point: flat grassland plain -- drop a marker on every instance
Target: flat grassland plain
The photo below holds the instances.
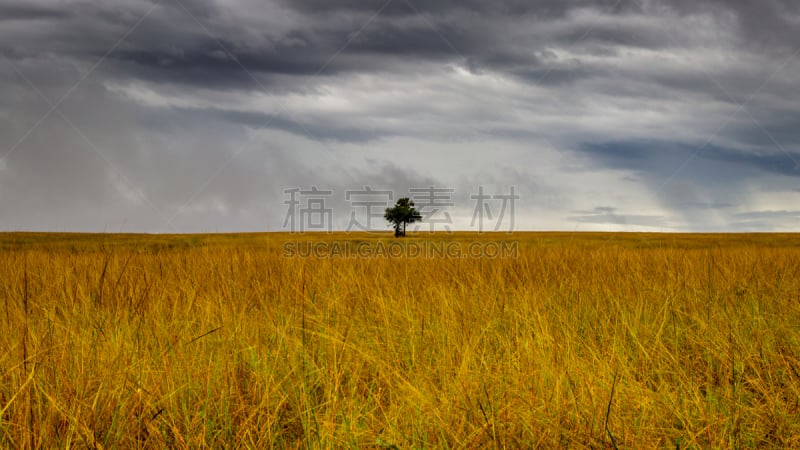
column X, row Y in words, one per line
column 581, row 340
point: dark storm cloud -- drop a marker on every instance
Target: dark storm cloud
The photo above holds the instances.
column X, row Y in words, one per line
column 774, row 163
column 23, row 11
column 543, row 9
column 484, row 32
column 654, row 160
column 769, row 22
column 664, row 158
column 169, row 44
column 509, row 36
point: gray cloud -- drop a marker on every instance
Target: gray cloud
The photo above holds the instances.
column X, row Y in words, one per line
column 540, row 9
column 609, row 216
column 28, row 12
column 766, row 220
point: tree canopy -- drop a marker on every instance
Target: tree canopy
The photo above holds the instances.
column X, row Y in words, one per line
column 401, row 214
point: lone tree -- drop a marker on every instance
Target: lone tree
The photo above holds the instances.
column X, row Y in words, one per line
column 402, row 213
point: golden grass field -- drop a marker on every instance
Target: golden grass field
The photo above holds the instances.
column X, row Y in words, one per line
column 582, row 340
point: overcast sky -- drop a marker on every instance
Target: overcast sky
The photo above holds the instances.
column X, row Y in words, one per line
column 200, row 115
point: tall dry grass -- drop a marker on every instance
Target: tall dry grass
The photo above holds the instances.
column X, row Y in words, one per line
column 219, row 341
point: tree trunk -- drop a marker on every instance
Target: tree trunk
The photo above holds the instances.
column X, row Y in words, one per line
column 397, row 229
column 404, row 229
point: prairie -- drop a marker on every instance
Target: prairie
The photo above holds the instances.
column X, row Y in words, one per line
column 574, row 340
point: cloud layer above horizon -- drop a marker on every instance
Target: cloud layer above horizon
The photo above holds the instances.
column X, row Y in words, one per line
column 197, row 116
